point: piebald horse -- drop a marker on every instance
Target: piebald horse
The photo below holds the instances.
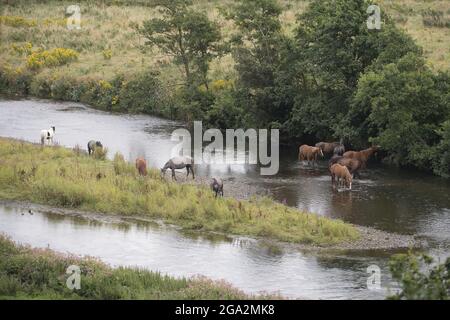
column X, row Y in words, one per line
column 179, row 163
column 309, row 153
column 47, row 135
column 363, row 155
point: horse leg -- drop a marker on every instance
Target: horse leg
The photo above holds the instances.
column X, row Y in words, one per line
column 192, row 171
column 187, row 169
column 173, row 175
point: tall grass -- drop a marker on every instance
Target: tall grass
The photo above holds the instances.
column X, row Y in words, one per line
column 27, row 273
column 63, row 177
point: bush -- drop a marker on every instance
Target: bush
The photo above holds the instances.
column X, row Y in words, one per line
column 51, row 58
column 16, row 21
column 420, row 278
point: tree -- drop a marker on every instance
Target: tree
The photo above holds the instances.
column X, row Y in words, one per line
column 402, row 108
column 257, row 52
column 334, row 48
column 419, row 278
column 186, row 35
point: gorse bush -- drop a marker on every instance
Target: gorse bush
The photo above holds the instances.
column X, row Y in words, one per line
column 25, row 48
column 16, row 21
column 51, row 58
column 63, row 177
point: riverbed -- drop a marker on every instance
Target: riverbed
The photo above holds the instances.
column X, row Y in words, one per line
column 386, row 198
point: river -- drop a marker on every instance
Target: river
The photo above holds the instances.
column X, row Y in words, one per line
column 386, row 198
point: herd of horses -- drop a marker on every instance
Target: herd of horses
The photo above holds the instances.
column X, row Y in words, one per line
column 343, row 166
column 173, row 164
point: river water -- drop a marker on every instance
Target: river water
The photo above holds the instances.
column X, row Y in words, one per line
column 386, row 198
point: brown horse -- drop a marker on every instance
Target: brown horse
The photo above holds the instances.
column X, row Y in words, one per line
column 328, row 147
column 341, row 175
column 141, row 166
column 309, row 153
column 363, row 155
column 353, row 165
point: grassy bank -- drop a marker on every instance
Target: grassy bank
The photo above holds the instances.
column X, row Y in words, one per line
column 27, row 273
column 68, row 178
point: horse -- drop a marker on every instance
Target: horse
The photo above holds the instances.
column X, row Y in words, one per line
column 327, row 147
column 92, row 145
column 47, row 135
column 141, row 166
column 363, row 155
column 339, row 150
column 179, row 163
column 309, row 153
column 353, row 165
column 217, row 186
column 341, row 175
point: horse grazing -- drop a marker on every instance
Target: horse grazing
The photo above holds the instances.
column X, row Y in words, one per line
column 309, row 153
column 341, row 175
column 327, row 147
column 217, row 186
column 47, row 135
column 92, row 145
column 363, row 155
column 179, row 163
column 353, row 165
column 141, row 166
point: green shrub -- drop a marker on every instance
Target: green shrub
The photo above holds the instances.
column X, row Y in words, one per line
column 420, row 278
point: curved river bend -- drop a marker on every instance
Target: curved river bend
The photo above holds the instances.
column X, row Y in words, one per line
column 385, row 198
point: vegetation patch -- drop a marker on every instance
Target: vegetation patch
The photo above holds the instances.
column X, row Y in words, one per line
column 67, row 178
column 51, row 58
column 27, row 273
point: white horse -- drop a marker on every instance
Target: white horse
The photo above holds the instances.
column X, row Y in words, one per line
column 47, row 135
column 179, row 163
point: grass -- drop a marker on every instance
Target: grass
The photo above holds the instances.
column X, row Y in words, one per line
column 108, row 43
column 27, row 273
column 68, row 178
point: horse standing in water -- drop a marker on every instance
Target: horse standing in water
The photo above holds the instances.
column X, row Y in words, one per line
column 217, row 186
column 92, row 145
column 309, row 153
column 179, row 163
column 47, row 135
column 141, row 166
column 363, row 155
column 341, row 175
column 339, row 150
column 353, row 165
column 329, row 147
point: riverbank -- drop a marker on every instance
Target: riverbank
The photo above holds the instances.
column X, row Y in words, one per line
column 68, row 178
column 98, row 280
